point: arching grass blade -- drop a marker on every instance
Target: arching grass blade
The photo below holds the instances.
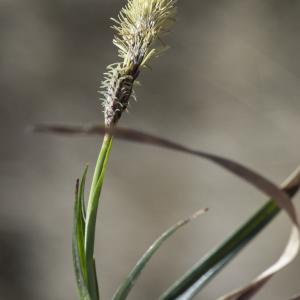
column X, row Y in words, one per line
column 201, row 273
column 130, row 280
column 260, row 182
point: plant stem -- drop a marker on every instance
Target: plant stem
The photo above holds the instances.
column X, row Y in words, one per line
column 91, row 214
column 201, row 273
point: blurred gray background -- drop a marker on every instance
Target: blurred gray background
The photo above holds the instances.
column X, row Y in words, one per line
column 230, row 84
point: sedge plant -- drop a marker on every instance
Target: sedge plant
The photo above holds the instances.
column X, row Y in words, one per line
column 138, row 31
column 140, row 24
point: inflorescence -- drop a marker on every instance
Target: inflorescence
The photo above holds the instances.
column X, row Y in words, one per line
column 139, row 24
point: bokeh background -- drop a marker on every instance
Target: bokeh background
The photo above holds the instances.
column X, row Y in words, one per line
column 230, row 84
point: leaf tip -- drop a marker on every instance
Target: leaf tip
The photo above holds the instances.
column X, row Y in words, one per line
column 198, row 213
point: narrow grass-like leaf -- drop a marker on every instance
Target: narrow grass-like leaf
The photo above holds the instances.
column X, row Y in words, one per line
column 96, row 279
column 288, row 255
column 81, row 224
column 81, row 195
column 77, row 241
column 131, row 278
column 252, row 177
column 201, row 273
column 91, row 216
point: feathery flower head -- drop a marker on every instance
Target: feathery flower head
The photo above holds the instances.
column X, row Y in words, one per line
column 140, row 23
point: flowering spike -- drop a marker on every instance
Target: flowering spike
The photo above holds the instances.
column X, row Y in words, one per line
column 139, row 24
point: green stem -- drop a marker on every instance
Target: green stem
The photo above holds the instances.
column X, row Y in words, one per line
column 201, row 273
column 91, row 214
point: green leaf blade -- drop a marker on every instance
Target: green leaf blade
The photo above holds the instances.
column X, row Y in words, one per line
column 192, row 282
column 91, row 216
column 132, row 277
column 77, row 244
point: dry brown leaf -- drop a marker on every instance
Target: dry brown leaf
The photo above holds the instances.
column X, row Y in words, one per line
column 252, row 177
column 286, row 258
